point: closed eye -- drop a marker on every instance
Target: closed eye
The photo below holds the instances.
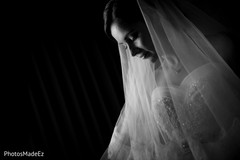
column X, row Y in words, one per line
column 133, row 36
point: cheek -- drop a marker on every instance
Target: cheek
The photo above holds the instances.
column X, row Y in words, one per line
column 139, row 43
column 144, row 43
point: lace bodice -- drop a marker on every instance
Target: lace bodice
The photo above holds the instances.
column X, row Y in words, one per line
column 197, row 118
column 187, row 114
column 166, row 117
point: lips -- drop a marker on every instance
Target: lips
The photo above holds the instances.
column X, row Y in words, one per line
column 143, row 54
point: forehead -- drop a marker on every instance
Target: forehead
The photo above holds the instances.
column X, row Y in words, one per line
column 119, row 31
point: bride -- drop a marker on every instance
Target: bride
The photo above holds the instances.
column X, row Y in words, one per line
column 182, row 101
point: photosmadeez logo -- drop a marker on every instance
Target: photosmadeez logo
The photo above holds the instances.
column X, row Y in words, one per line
column 23, row 154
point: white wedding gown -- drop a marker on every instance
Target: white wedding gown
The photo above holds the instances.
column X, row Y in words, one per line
column 187, row 128
column 189, row 121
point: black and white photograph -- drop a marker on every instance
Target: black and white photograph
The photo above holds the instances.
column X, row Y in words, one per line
column 121, row 80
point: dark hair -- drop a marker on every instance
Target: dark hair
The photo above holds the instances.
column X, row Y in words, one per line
column 123, row 11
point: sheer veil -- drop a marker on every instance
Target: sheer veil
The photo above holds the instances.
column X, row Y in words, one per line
column 187, row 106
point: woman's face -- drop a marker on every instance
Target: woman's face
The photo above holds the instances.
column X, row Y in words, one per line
column 136, row 38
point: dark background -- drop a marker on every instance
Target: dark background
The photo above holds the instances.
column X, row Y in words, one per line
column 63, row 91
